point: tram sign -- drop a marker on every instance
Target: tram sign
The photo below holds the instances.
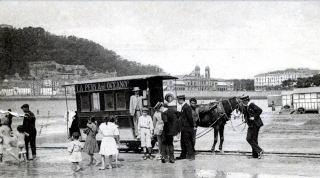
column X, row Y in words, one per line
column 114, row 85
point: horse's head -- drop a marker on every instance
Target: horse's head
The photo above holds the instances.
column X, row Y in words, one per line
column 232, row 104
column 240, row 105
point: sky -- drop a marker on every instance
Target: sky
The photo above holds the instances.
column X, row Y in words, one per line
column 235, row 39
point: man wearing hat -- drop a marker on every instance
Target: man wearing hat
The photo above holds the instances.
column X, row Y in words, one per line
column 187, row 130
column 135, row 108
column 29, row 125
column 169, row 130
column 252, row 115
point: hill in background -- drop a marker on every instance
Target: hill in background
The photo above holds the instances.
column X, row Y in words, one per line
column 19, row 46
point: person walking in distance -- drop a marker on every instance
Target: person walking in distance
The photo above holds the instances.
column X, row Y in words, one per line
column 252, row 116
column 29, row 126
column 273, row 106
column 187, row 130
column 9, row 116
column 135, row 108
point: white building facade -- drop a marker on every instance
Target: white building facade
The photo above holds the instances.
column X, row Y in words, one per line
column 262, row 81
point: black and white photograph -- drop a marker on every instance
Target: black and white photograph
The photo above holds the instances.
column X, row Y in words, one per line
column 161, row 89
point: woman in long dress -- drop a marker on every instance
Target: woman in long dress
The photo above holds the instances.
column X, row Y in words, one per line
column 108, row 147
column 91, row 146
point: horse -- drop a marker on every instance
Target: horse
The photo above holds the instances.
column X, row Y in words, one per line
column 217, row 118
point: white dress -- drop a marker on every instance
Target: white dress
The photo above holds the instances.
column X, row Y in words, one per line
column 108, row 143
column 75, row 149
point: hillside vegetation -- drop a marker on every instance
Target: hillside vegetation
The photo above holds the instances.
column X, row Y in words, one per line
column 19, row 46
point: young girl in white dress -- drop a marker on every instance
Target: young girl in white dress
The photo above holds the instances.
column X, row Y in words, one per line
column 108, row 147
column 74, row 149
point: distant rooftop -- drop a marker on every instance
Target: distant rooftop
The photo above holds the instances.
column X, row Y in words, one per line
column 290, row 71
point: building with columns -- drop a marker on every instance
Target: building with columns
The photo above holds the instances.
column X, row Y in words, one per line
column 197, row 82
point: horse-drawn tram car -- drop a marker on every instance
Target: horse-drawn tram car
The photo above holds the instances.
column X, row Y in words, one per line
column 303, row 100
column 111, row 96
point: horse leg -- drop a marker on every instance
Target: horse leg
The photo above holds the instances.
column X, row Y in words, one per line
column 221, row 133
column 215, row 139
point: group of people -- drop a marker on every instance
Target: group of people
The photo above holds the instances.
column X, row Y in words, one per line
column 168, row 122
column 20, row 138
column 109, row 144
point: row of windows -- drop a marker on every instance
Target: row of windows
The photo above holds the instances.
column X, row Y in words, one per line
column 302, row 96
column 306, row 105
column 281, row 78
column 306, row 96
column 202, row 83
column 112, row 100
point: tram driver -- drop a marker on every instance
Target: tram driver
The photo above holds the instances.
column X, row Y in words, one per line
column 136, row 108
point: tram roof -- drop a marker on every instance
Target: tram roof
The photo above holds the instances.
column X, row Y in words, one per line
column 130, row 77
column 302, row 90
column 307, row 90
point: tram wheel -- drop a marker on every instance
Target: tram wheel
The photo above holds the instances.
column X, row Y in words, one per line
column 301, row 110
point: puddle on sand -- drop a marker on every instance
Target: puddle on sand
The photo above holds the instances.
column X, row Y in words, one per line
column 222, row 174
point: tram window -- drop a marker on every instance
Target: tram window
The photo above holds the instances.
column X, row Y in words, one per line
column 301, row 96
column 95, row 101
column 120, row 100
column 109, row 101
column 85, row 104
column 313, row 95
column 295, row 96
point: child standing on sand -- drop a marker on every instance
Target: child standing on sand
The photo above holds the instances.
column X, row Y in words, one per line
column 108, row 147
column 74, row 149
column 145, row 126
column 91, row 146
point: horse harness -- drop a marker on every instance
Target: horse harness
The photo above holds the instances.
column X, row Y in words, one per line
column 223, row 114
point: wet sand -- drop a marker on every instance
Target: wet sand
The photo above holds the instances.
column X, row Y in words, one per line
column 54, row 163
column 281, row 134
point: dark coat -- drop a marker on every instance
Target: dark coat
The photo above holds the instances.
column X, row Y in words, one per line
column 74, row 126
column 186, row 118
column 170, row 122
column 255, row 112
column 29, row 122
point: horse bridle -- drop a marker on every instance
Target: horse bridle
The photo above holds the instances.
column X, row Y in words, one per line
column 237, row 107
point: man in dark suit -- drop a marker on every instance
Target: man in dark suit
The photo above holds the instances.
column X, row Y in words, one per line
column 187, row 130
column 29, row 125
column 169, row 130
column 252, row 115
